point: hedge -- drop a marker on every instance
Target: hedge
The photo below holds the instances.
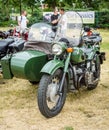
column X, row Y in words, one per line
column 102, row 19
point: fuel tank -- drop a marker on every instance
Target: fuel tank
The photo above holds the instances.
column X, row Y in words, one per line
column 78, row 55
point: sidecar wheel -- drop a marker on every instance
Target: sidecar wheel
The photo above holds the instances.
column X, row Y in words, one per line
column 34, row 82
column 96, row 73
column 50, row 103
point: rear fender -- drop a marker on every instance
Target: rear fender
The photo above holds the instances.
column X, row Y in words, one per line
column 102, row 57
column 52, row 66
column 6, row 68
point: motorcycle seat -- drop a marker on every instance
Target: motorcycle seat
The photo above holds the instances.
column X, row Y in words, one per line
column 92, row 37
column 18, row 45
column 93, row 40
column 4, row 44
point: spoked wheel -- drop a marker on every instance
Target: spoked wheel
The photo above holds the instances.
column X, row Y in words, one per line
column 50, row 102
column 96, row 74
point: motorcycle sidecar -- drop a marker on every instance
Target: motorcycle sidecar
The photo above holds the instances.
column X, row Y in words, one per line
column 28, row 63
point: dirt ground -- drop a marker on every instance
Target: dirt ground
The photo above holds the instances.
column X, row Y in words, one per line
column 88, row 110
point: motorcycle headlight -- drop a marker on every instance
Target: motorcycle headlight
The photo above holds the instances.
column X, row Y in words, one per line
column 58, row 49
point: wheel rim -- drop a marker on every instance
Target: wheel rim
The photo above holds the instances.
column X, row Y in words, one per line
column 52, row 96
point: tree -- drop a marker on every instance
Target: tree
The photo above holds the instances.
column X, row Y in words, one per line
column 32, row 4
column 81, row 4
column 52, row 3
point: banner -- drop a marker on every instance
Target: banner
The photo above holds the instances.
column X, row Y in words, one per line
column 88, row 17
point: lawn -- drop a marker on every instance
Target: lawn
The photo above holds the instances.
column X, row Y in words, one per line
column 105, row 39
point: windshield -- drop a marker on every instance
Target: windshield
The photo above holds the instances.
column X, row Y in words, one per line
column 40, row 32
column 70, row 27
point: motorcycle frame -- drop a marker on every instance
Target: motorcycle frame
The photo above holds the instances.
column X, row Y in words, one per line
column 57, row 63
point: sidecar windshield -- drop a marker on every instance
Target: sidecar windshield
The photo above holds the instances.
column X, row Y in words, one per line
column 40, row 32
column 70, row 28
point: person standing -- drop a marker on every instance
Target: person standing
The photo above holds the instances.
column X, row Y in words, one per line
column 22, row 20
column 62, row 22
column 54, row 20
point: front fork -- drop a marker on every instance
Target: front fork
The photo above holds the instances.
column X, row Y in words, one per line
column 64, row 74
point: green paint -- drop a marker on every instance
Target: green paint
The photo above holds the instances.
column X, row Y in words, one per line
column 27, row 64
column 52, row 66
column 77, row 56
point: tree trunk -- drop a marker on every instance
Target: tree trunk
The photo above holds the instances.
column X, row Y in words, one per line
column 20, row 7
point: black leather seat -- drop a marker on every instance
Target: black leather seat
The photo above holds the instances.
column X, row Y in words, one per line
column 4, row 44
column 17, row 45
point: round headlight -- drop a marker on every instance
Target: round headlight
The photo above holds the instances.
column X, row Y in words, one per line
column 57, row 49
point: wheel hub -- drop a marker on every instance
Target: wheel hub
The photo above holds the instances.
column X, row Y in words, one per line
column 52, row 90
column 89, row 77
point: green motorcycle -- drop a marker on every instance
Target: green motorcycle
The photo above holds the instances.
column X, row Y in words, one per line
column 76, row 64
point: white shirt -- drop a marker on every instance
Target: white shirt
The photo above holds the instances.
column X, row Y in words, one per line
column 23, row 21
column 64, row 22
column 63, row 25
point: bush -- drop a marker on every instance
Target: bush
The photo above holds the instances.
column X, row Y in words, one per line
column 102, row 19
column 5, row 20
column 7, row 23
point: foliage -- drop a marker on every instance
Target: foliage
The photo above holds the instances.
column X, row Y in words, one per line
column 52, row 3
column 37, row 16
column 68, row 128
column 8, row 7
column 83, row 4
column 102, row 19
column 5, row 19
column 8, row 23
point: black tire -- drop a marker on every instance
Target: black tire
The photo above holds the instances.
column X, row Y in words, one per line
column 96, row 74
column 34, row 82
column 45, row 94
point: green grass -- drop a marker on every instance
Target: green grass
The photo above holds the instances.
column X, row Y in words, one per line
column 68, row 128
column 5, row 28
column 105, row 39
column 105, row 46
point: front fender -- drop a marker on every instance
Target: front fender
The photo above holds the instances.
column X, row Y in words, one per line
column 52, row 66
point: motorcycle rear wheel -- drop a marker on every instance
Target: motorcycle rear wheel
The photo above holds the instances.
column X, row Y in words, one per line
column 96, row 73
column 50, row 103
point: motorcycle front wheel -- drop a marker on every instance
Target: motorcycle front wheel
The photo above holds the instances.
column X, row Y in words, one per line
column 50, row 102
